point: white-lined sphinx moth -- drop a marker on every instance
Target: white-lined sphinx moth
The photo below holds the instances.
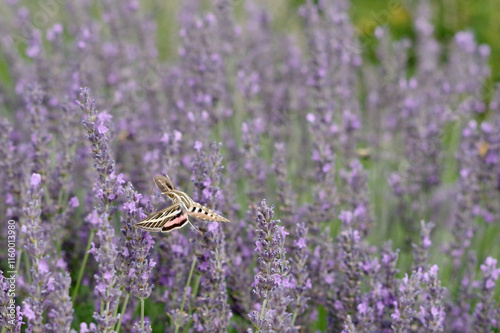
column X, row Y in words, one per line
column 177, row 215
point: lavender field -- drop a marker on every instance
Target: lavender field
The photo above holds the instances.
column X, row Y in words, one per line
column 359, row 169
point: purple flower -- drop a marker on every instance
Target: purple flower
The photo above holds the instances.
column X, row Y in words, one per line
column 269, row 287
column 420, row 302
column 134, row 262
column 311, row 117
column 35, row 180
column 74, row 202
column 106, row 188
column 38, row 248
column 421, row 251
column 484, row 313
column 301, row 243
column 345, row 217
column 198, row 145
column 28, row 312
column 177, row 136
column 130, row 207
column 43, row 268
column 94, row 219
column 299, row 268
column 209, row 246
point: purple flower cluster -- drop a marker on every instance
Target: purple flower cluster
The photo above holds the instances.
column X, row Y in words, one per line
column 272, row 282
column 106, row 191
column 360, row 140
column 486, row 312
column 299, row 262
column 38, row 249
column 209, row 245
column 134, row 263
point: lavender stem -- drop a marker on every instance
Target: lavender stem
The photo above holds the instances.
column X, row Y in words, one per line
column 124, row 307
column 296, row 311
column 177, row 324
column 19, row 258
column 196, row 285
column 84, row 263
column 267, row 294
column 142, row 314
column 28, row 268
column 117, row 305
column 263, row 309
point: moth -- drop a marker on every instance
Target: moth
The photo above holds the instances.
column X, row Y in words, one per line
column 177, row 215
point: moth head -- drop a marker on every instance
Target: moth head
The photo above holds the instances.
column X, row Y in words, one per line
column 164, row 183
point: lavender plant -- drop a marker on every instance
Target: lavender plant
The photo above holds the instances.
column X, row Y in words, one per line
column 209, row 246
column 37, row 247
column 299, row 268
column 272, row 282
column 134, row 262
column 106, row 191
column 486, row 312
column 357, row 127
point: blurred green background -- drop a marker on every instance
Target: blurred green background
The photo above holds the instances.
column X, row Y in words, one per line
column 450, row 16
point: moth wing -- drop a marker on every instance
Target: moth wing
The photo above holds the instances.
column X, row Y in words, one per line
column 165, row 220
column 163, row 183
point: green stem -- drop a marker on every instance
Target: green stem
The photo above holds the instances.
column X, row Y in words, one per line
column 142, row 314
column 124, row 307
column 115, row 313
column 296, row 310
column 177, row 323
column 103, row 313
column 84, row 263
column 19, row 258
column 196, row 286
column 60, row 199
column 268, row 269
column 263, row 309
column 28, row 265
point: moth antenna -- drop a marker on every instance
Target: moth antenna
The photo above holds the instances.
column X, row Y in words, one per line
column 196, row 229
column 151, row 192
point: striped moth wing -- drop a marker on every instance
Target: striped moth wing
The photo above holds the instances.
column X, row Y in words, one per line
column 203, row 213
column 166, row 220
column 163, row 183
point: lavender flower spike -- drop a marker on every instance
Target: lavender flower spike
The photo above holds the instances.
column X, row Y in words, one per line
column 134, row 261
column 420, row 291
column 301, row 280
column 213, row 309
column 106, row 191
column 38, row 250
column 272, row 283
column 348, row 326
column 484, row 314
column 421, row 251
